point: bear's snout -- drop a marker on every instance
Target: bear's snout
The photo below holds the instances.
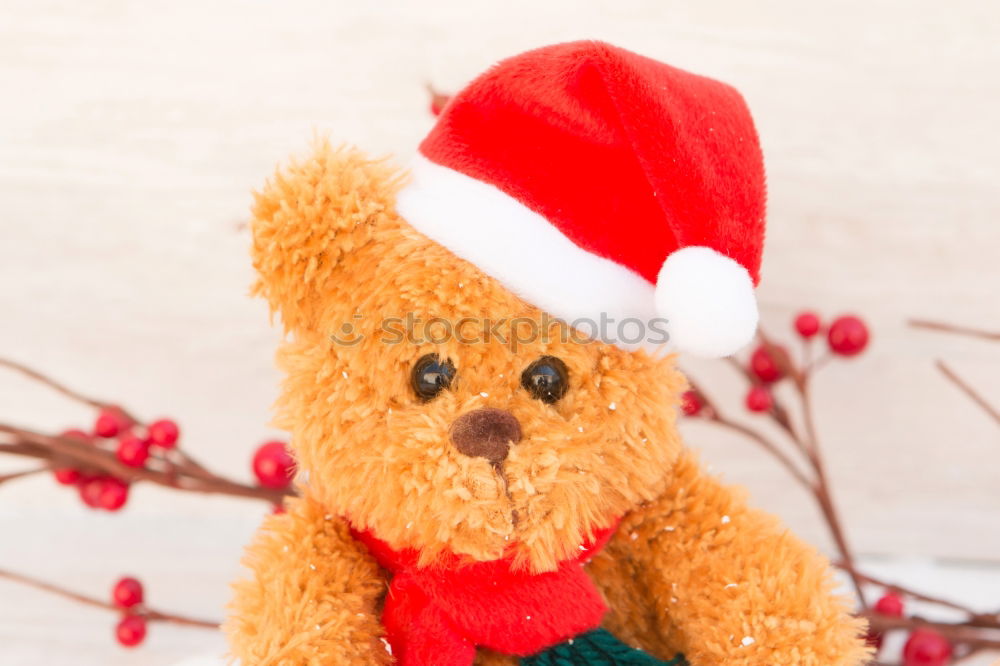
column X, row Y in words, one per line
column 486, row 433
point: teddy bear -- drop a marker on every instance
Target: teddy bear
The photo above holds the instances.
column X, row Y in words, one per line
column 482, row 390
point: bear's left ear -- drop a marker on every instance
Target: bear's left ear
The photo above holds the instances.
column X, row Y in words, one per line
column 307, row 218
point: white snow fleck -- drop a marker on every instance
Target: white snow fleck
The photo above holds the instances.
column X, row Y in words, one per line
column 633, row 536
column 726, row 520
column 409, row 524
column 388, row 648
column 612, row 406
column 345, row 374
column 730, row 585
column 485, row 394
column 582, row 547
column 313, row 567
column 319, row 627
column 527, row 617
column 580, row 429
column 673, row 600
column 748, row 641
column 328, row 517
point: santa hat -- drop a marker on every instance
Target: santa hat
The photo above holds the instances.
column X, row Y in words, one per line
column 594, row 182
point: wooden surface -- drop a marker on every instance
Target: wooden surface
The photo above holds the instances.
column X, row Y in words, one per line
column 131, row 134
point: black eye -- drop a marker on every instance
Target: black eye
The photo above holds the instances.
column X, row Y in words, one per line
column 431, row 375
column 547, row 379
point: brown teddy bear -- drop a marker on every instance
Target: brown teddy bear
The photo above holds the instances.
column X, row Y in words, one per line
column 490, row 469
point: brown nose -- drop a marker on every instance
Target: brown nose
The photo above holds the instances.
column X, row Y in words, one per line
column 486, row 433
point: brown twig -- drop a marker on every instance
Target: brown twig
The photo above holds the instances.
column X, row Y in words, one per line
column 993, row 336
column 968, row 390
column 823, row 493
column 20, row 475
column 713, row 414
column 148, row 613
column 58, row 387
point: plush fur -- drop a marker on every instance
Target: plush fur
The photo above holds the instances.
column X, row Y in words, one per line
column 689, row 568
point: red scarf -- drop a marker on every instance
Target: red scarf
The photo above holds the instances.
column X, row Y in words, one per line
column 436, row 616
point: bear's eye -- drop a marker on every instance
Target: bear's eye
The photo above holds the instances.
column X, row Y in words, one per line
column 547, row 379
column 431, row 375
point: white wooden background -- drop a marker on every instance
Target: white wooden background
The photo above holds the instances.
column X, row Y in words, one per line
column 131, row 134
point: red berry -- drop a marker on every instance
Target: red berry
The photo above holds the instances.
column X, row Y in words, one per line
column 847, row 336
column 926, row 647
column 132, row 450
column 763, row 365
column 127, row 592
column 759, row 399
column 807, row 324
column 691, row 403
column 67, row 476
column 164, row 433
column 110, row 422
column 114, row 494
column 90, row 491
column 890, row 604
column 273, row 465
column 131, row 630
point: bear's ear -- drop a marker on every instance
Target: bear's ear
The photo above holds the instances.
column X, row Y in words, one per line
column 308, row 217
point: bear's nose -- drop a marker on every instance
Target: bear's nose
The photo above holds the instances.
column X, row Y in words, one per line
column 486, row 433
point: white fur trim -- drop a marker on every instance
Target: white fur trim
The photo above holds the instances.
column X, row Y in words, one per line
column 709, row 300
column 531, row 257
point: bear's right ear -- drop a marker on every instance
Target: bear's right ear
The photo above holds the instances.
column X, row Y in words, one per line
column 307, row 218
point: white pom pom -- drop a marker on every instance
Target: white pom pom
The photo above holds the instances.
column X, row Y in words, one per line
column 708, row 302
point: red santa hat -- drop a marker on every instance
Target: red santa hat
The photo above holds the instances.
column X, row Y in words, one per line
column 592, row 181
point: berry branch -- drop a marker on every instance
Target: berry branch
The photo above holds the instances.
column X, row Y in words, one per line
column 929, row 643
column 126, row 599
column 102, row 464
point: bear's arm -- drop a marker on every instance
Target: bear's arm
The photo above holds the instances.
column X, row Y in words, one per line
column 312, row 597
column 698, row 572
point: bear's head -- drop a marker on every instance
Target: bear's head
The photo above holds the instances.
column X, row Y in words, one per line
column 430, row 404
